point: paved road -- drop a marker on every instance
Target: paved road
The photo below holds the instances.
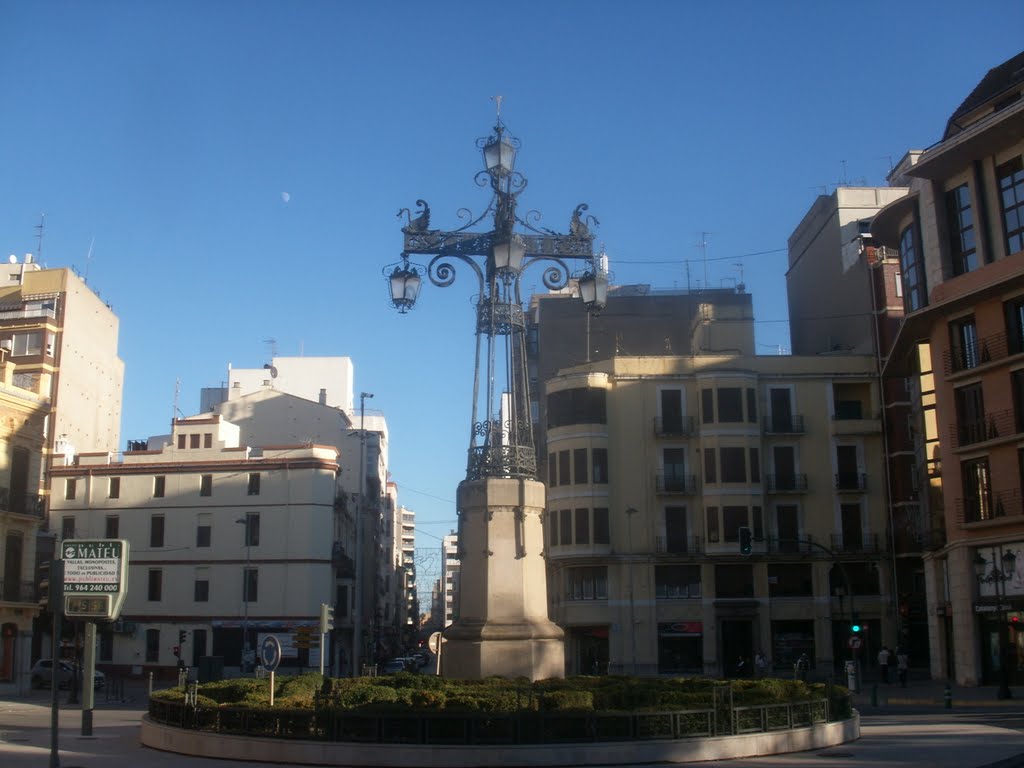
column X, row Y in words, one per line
column 892, row 740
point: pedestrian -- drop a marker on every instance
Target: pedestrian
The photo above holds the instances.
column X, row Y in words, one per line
column 741, row 667
column 891, row 676
column 883, row 663
column 761, row 664
column 802, row 665
column 902, row 666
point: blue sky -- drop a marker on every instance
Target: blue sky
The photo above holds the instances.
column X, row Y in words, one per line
column 165, row 134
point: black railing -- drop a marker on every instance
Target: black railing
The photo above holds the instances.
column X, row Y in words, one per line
column 991, row 426
column 673, row 483
column 786, row 546
column 964, row 357
column 673, row 427
column 343, row 564
column 862, row 542
column 30, row 504
column 789, row 483
column 533, row 727
column 781, row 425
column 851, row 481
column 682, row 545
column 997, row 505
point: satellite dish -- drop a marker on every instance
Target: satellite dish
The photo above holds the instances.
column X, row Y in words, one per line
column 272, row 369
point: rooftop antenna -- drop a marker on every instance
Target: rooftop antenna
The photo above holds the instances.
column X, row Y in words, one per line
column 740, row 286
column 177, row 393
column 843, row 182
column 273, row 347
column 702, row 246
column 88, row 259
column 40, row 227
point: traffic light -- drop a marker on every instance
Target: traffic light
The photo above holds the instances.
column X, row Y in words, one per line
column 855, row 625
column 182, row 634
column 326, row 618
column 50, row 580
column 746, row 540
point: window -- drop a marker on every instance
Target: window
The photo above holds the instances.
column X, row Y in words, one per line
column 563, row 468
column 27, row 343
column 254, row 484
column 970, row 414
column 787, row 527
column 181, row 442
column 250, row 585
column 589, row 583
column 193, row 441
column 674, row 463
column 67, row 527
column 601, row 533
column 672, row 412
column 552, row 469
column 159, row 486
column 707, row 406
column 734, row 465
column 156, row 531
column 977, row 490
column 203, row 531
column 70, row 488
column 914, row 289
column 1011, row 197
column 963, row 344
column 758, row 520
column 733, row 518
column 579, row 466
column 152, row 645
column 730, row 404
column 755, row 465
column 112, row 527
column 1017, row 387
column 752, row 405
column 676, row 533
column 734, row 581
column 208, row 440
column 565, row 529
column 206, row 485
column 710, row 466
column 790, row 581
column 1015, row 325
column 114, row 488
column 156, row 585
column 553, row 527
column 576, row 406
column 962, row 244
column 711, row 520
column 201, row 590
column 676, row 581
column 599, row 466
column 582, row 526
column 251, row 537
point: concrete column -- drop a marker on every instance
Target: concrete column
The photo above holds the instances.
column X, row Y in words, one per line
column 963, row 588
column 503, row 626
column 935, row 597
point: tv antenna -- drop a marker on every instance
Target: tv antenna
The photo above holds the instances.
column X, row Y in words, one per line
column 273, row 347
column 740, row 286
column 702, row 246
column 40, row 227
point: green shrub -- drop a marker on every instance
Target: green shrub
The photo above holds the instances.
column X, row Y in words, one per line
column 569, row 701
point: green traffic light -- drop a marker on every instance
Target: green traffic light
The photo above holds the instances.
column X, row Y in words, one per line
column 855, row 628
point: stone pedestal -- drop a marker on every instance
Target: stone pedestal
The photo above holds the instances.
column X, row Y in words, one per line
column 502, row 626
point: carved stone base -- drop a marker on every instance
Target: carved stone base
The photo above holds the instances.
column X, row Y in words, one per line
column 502, row 627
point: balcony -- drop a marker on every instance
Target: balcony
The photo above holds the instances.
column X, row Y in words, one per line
column 781, row 425
column 344, row 565
column 675, row 484
column 852, row 418
column 30, row 504
column 863, row 543
column 969, row 356
column 682, row 427
column 683, row 545
column 800, row 545
column 1001, row 505
column 791, row 483
column 17, row 591
column 991, row 427
column 851, row 482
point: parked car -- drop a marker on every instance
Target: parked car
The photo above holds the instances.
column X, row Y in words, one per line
column 393, row 666
column 42, row 674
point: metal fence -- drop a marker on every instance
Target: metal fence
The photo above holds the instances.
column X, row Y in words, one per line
column 721, row 719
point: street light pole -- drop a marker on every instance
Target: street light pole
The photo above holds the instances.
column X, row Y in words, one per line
column 245, row 593
column 357, row 609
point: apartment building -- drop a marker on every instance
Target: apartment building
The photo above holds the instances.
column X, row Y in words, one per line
column 229, row 543
column 411, row 625
column 960, row 236
column 654, row 464
column 23, row 415
column 450, row 574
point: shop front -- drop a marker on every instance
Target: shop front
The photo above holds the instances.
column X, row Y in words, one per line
column 681, row 648
column 588, row 650
column 999, row 624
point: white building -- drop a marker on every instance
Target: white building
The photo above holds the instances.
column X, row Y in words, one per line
column 450, row 577
column 224, row 540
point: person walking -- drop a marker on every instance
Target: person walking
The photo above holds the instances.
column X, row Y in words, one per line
column 883, row 663
column 902, row 666
column 761, row 664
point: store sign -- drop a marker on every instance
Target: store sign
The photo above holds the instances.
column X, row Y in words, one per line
column 95, row 577
column 682, row 629
column 991, row 608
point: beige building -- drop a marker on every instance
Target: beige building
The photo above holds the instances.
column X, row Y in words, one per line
column 655, row 464
column 226, row 541
column 22, row 435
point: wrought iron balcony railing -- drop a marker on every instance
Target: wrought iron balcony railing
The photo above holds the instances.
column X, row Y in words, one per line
column 682, row 545
column 30, row 504
column 15, row 591
column 867, row 543
column 342, row 562
column 669, row 483
column 994, row 506
column 991, row 426
column 851, row 481
column 796, row 545
column 964, row 357
column 781, row 425
column 682, row 427
column 789, row 483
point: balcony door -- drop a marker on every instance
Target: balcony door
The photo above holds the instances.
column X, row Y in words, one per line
column 782, row 410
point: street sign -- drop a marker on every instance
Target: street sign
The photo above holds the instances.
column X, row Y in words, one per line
column 434, row 643
column 270, row 653
column 854, row 643
column 95, row 577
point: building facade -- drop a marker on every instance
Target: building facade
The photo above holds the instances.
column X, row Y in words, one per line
column 451, row 571
column 227, row 544
column 960, row 237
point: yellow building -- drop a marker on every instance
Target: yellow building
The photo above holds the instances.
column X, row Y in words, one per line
column 656, row 464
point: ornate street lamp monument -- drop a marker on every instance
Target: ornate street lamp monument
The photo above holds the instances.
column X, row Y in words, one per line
column 502, row 625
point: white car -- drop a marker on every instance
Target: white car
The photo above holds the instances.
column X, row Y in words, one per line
column 42, row 675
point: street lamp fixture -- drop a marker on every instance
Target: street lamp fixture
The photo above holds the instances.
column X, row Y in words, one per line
column 990, row 572
column 501, row 443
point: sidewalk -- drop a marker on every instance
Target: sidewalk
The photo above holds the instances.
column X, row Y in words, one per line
column 877, row 696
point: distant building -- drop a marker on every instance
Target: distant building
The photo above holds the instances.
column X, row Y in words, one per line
column 412, row 601
column 450, row 578
column 960, row 236
column 224, row 539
